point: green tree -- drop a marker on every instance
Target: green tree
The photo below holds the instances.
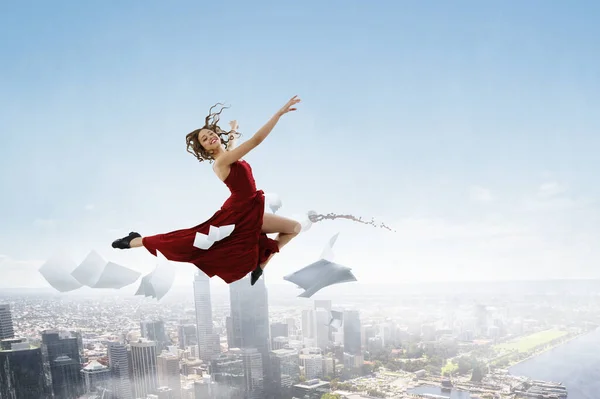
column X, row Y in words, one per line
column 331, row 396
column 449, row 369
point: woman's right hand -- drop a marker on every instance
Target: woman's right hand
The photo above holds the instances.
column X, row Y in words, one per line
column 289, row 106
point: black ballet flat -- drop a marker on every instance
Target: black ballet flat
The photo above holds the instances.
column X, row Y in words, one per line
column 256, row 273
column 125, row 242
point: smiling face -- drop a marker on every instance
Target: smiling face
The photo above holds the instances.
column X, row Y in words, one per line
column 209, row 140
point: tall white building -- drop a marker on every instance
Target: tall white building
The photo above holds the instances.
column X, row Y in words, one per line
column 308, row 324
column 323, row 330
column 249, row 326
column 204, row 326
column 118, row 363
column 145, row 375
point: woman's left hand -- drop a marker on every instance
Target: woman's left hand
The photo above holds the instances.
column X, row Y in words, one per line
column 234, row 125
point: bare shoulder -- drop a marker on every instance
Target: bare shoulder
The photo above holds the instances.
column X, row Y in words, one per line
column 222, row 171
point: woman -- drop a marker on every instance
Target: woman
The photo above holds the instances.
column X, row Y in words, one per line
column 247, row 249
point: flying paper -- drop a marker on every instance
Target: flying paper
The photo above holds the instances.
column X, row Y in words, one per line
column 336, row 319
column 57, row 272
column 321, row 273
column 95, row 272
column 157, row 283
column 205, row 241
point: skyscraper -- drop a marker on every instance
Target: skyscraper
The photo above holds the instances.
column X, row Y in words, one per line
column 352, row 332
column 254, row 377
column 96, row 377
column 145, row 375
column 285, row 369
column 62, row 354
column 186, row 335
column 309, row 329
column 249, row 315
column 204, row 326
column 168, row 374
column 154, row 330
column 323, row 329
column 227, row 369
column 118, row 363
column 250, row 322
column 22, row 371
column 229, row 331
column 6, row 323
column 292, row 328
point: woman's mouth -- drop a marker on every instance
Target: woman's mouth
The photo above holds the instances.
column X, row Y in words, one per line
column 212, row 141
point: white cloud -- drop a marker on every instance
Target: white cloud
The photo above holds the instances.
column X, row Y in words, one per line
column 552, row 196
column 89, row 207
column 480, row 194
column 551, row 189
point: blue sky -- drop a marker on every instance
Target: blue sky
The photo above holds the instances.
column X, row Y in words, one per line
column 472, row 127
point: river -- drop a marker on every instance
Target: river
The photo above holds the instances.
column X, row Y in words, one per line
column 576, row 364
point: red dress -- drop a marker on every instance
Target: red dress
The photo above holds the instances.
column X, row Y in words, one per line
column 233, row 257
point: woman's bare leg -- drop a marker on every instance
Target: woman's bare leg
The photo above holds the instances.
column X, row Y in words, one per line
column 286, row 228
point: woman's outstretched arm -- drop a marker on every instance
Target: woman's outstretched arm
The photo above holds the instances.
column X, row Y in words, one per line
column 239, row 152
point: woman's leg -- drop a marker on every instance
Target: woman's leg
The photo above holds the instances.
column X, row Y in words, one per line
column 286, row 228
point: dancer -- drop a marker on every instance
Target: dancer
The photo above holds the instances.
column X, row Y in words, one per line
column 247, row 249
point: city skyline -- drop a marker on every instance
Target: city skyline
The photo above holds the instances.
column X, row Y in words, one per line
column 379, row 333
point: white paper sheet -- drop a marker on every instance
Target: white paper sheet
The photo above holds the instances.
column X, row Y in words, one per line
column 205, row 241
column 57, row 272
column 327, row 253
column 116, row 277
column 163, row 277
column 90, row 269
column 321, row 273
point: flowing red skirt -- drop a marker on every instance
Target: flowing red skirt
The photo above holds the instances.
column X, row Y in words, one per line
column 231, row 258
